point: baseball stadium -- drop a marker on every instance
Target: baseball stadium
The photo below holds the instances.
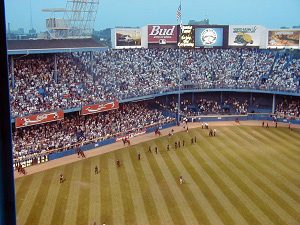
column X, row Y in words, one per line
column 172, row 124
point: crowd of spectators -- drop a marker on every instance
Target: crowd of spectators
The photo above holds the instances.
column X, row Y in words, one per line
column 43, row 83
column 64, row 134
column 39, row 85
column 288, row 108
column 201, row 106
column 206, row 106
column 285, row 74
column 236, row 106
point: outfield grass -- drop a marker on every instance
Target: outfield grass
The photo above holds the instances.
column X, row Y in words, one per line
column 245, row 175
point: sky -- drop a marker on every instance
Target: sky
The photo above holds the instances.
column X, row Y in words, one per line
column 138, row 13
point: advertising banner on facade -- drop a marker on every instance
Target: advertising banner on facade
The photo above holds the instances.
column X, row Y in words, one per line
column 245, row 35
column 96, row 108
column 186, row 39
column 283, row 38
column 131, row 134
column 131, row 37
column 39, row 119
column 209, row 37
column 162, row 34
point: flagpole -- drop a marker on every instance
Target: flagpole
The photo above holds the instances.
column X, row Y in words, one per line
column 179, row 68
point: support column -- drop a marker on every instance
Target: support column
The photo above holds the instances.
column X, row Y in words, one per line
column 179, row 105
column 92, row 63
column 274, row 104
column 7, row 189
column 193, row 98
column 221, row 97
column 179, row 89
column 55, row 69
column 13, row 84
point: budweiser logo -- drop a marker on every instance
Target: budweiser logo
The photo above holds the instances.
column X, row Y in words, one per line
column 158, row 31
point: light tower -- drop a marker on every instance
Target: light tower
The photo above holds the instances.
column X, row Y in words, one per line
column 81, row 16
column 78, row 19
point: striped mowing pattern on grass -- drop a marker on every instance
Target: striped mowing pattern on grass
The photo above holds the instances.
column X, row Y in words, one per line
column 244, row 176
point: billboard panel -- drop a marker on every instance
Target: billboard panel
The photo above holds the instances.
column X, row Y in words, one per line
column 209, row 37
column 245, row 35
column 39, row 119
column 283, row 38
column 186, row 39
column 162, row 34
column 131, row 37
column 96, row 108
column 133, row 133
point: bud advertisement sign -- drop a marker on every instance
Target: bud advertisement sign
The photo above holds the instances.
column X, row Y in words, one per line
column 186, row 39
column 283, row 38
column 245, row 35
column 162, row 34
column 128, row 37
column 209, row 37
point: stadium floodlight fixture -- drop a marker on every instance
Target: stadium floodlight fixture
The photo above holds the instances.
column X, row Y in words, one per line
column 77, row 21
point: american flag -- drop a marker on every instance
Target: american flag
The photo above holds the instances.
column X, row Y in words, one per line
column 178, row 13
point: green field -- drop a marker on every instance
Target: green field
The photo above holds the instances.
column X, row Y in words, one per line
column 244, row 175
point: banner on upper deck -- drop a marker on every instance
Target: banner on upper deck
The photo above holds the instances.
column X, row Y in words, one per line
column 162, row 34
column 209, row 37
column 39, row 119
column 128, row 37
column 96, row 108
column 283, row 38
column 186, row 37
column 245, row 35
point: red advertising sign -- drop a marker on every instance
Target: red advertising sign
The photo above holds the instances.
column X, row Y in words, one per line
column 132, row 134
column 162, row 34
column 39, row 119
column 90, row 109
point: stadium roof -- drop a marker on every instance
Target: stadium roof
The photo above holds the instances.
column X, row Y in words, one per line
column 16, row 47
